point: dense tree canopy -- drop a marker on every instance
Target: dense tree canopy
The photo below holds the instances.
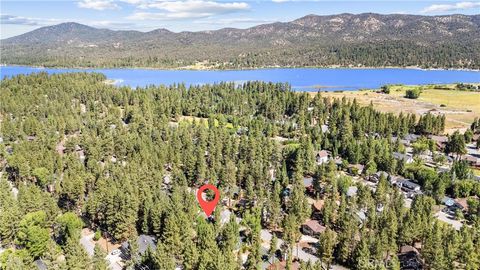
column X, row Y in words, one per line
column 125, row 160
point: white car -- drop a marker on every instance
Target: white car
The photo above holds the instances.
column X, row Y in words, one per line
column 115, row 252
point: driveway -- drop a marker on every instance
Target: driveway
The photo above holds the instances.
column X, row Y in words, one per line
column 87, row 242
column 114, row 261
column 446, row 218
column 266, row 236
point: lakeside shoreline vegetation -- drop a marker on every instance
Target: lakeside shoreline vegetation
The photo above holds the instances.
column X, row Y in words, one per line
column 199, row 66
column 85, row 153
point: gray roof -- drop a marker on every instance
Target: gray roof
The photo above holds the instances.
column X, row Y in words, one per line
column 40, row 264
column 352, row 191
column 145, row 241
column 307, row 181
column 409, row 184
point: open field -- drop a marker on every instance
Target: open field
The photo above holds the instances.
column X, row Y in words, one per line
column 460, row 107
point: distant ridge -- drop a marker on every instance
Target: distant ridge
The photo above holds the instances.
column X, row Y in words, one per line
column 369, row 39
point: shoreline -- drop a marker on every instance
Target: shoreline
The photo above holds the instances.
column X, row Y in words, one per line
column 244, row 69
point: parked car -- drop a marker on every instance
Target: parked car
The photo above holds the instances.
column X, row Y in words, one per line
column 115, row 252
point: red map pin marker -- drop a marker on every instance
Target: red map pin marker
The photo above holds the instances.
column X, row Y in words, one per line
column 208, row 206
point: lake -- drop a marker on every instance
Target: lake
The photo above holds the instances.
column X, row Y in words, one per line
column 301, row 79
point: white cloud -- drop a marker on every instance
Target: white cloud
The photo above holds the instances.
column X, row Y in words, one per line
column 197, row 6
column 98, row 4
column 163, row 16
column 450, row 7
column 189, row 9
column 19, row 20
column 230, row 21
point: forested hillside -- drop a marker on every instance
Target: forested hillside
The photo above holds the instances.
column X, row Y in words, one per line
column 369, row 39
column 76, row 152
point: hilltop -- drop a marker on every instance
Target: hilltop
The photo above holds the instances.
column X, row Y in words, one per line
column 368, row 39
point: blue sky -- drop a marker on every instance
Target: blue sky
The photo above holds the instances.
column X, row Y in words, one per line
column 19, row 16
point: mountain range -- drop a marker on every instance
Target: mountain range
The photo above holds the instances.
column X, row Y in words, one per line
column 374, row 40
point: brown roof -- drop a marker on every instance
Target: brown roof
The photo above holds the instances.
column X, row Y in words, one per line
column 315, row 226
column 462, row 202
column 283, row 265
column 407, row 249
column 318, row 205
column 323, row 153
column 439, row 139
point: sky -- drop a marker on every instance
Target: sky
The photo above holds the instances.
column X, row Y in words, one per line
column 20, row 16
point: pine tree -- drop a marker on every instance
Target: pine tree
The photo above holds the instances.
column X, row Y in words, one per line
column 98, row 261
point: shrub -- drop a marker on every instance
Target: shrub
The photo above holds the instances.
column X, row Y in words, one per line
column 413, row 93
column 97, row 235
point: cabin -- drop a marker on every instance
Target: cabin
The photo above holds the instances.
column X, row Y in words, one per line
column 410, row 186
column 403, row 157
column 322, row 157
column 144, row 243
column 352, row 191
column 324, row 128
column 448, row 202
column 312, row 228
column 440, row 141
column 40, row 264
column 283, row 266
column 355, row 169
column 376, row 176
column 317, row 207
column 409, row 139
column 472, row 160
column 461, row 204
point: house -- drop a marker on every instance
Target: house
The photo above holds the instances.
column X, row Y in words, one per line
column 308, row 182
column 80, row 152
column 409, row 258
column 361, row 216
column 41, row 265
column 376, row 176
column 403, row 157
column 283, row 265
column 322, row 157
column 50, row 188
column 461, row 204
column 225, row 216
column 409, row 139
column 447, row 201
column 167, row 179
column 352, row 191
column 396, row 180
column 324, row 128
column 317, row 207
column 410, row 186
column 312, row 228
column 440, row 141
column 355, row 169
column 144, row 242
column 472, row 160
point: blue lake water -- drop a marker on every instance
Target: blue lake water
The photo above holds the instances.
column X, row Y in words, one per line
column 301, row 79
